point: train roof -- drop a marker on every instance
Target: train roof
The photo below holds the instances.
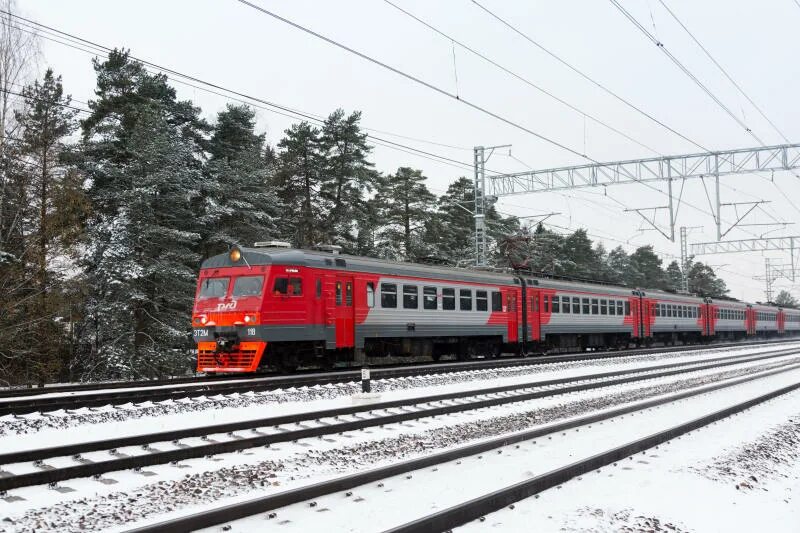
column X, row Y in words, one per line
column 327, row 260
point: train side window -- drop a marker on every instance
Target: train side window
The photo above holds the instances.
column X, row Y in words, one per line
column 612, row 307
column 429, row 297
column 595, row 306
column 465, row 299
column 658, row 309
column 497, row 301
column 388, row 295
column 338, row 293
column 370, row 294
column 410, row 297
column 482, row 301
column 576, row 306
column 619, row 308
column 603, row 307
column 295, row 286
column 348, row 293
column 281, row 286
column 319, row 288
column 556, row 306
column 585, row 306
column 565, row 308
column 448, row 299
column 627, row 307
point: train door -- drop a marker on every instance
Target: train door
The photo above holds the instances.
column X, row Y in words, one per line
column 637, row 316
column 534, row 301
column 513, row 316
column 345, row 312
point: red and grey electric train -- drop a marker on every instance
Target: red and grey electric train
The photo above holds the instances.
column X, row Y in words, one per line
column 275, row 306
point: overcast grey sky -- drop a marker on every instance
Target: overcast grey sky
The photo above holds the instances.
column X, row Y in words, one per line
column 226, row 42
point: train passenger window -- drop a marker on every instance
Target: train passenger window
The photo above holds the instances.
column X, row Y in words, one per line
column 448, row 299
column 627, row 307
column 565, row 308
column 619, row 308
column 370, row 294
column 348, row 293
column 658, row 309
column 338, row 293
column 603, row 307
column 214, row 287
column 482, row 300
column 295, row 287
column 388, row 295
column 585, row 304
column 319, row 288
column 612, row 307
column 576, row 306
column 410, row 297
column 429, row 297
column 249, row 286
column 497, row 301
column 556, row 306
column 595, row 306
column 465, row 300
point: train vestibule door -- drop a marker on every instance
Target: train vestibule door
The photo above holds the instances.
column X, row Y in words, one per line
column 534, row 306
column 345, row 312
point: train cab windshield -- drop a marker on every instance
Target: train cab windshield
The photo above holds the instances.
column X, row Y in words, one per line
column 214, row 287
column 248, row 286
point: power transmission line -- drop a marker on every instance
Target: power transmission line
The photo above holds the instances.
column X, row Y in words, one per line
column 416, row 80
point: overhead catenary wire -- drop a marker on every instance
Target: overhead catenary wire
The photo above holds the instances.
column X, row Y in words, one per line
column 520, row 77
column 588, row 78
column 93, row 48
column 417, row 80
column 685, row 70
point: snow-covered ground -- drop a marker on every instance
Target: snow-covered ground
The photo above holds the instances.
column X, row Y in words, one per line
column 741, row 474
column 122, row 498
column 400, row 499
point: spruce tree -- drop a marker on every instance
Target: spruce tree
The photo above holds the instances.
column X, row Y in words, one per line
column 239, row 200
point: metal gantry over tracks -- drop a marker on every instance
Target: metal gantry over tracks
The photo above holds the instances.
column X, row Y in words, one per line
column 711, row 165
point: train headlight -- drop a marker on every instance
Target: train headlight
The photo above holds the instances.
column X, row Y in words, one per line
column 200, row 320
column 249, row 319
column 235, row 255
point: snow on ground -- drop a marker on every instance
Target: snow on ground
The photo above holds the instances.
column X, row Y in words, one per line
column 230, row 477
column 40, row 430
column 741, row 474
column 403, row 498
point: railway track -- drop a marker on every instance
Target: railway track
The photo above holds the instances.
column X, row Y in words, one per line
column 71, row 397
column 139, row 451
column 393, row 481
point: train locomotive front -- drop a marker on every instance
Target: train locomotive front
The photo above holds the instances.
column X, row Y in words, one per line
column 243, row 303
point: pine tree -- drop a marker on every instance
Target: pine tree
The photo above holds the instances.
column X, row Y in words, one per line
column 674, row 277
column 703, row 281
column 646, row 267
column 44, row 122
column 347, row 176
column 785, row 299
column 619, row 267
column 297, row 180
column 240, row 203
column 405, row 206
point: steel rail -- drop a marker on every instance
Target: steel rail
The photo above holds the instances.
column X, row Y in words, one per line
column 156, row 393
column 476, row 508
column 228, row 513
column 86, row 469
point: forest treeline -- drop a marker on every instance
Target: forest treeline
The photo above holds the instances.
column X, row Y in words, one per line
column 105, row 217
